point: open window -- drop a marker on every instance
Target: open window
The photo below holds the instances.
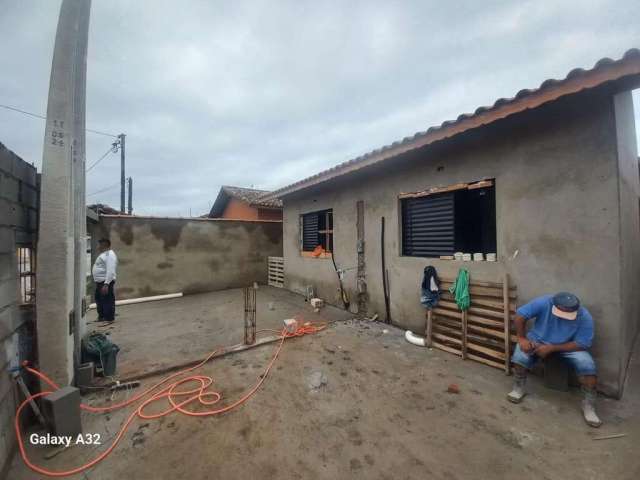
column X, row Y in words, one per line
column 316, row 234
column 458, row 218
column 27, row 274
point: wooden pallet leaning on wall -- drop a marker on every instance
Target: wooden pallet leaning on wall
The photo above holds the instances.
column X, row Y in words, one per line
column 484, row 332
column 276, row 271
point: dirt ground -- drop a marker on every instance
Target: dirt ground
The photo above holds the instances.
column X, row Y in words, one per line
column 156, row 335
column 358, row 401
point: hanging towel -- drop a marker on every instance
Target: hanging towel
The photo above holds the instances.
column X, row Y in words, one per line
column 430, row 291
column 460, row 289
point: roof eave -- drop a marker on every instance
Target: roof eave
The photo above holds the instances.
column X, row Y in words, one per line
column 577, row 81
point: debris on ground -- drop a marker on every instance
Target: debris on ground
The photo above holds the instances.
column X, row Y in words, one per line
column 607, row 437
column 453, row 388
column 316, row 380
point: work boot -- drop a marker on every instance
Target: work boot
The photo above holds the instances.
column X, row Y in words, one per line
column 517, row 393
column 589, row 407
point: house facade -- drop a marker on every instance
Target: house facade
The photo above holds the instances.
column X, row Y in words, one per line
column 238, row 203
column 548, row 181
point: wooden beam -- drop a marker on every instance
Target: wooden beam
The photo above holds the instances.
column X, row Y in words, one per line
column 507, row 322
column 464, row 334
column 429, row 329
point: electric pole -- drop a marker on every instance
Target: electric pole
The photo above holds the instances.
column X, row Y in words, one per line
column 130, row 206
column 122, row 177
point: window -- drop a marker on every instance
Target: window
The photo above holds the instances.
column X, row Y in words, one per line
column 316, row 233
column 27, row 274
column 460, row 218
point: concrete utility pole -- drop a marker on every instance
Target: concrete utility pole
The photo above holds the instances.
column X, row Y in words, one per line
column 122, row 177
column 130, row 205
column 61, row 272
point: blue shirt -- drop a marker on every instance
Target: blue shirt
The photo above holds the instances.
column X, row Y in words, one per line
column 555, row 330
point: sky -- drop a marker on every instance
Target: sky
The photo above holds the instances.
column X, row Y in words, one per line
column 264, row 93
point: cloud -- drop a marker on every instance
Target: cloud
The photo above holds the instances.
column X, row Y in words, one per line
column 265, row 93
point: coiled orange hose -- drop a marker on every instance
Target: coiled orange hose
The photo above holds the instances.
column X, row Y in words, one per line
column 178, row 400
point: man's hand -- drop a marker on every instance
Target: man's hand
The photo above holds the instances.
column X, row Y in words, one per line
column 105, row 289
column 543, row 350
column 526, row 345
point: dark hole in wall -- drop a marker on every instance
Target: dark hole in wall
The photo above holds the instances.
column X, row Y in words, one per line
column 475, row 220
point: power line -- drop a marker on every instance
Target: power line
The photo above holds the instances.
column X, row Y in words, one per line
column 44, row 118
column 101, row 158
column 105, row 189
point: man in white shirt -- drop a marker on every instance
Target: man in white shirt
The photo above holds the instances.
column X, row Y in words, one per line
column 104, row 276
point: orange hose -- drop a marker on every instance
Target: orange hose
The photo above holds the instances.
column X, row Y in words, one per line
column 178, row 400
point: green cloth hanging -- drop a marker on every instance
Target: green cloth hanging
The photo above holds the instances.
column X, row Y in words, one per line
column 460, row 289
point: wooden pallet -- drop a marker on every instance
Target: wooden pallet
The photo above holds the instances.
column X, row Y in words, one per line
column 483, row 332
column 276, row 271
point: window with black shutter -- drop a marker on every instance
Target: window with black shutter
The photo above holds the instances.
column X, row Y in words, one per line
column 461, row 218
column 317, row 230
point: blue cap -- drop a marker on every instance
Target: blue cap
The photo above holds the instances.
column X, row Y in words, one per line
column 567, row 302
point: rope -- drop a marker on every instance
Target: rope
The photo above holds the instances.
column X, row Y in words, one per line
column 180, row 395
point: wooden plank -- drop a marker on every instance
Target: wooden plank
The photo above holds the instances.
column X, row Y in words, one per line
column 433, row 191
column 221, row 352
column 465, row 334
column 485, row 312
column 507, row 322
column 492, row 304
column 447, row 313
column 447, row 338
column 485, row 321
column 478, row 283
column 480, row 184
column 493, row 292
column 486, row 361
column 429, row 329
column 480, row 341
column 446, row 348
column 487, row 351
column 450, row 304
column 454, row 323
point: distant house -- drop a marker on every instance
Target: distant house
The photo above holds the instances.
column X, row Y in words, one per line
column 238, row 203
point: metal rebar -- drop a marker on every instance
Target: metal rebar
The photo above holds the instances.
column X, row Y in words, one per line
column 249, row 315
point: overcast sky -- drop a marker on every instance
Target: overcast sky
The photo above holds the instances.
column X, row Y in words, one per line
column 265, row 93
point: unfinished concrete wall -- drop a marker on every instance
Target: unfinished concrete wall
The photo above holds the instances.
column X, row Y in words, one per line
column 169, row 255
column 18, row 228
column 629, row 192
column 557, row 211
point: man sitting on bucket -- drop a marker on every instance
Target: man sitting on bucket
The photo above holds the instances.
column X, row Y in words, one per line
column 564, row 328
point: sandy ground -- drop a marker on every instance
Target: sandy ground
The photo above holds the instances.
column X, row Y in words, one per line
column 357, row 401
column 153, row 336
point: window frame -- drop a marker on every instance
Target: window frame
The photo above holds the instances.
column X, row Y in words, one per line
column 27, row 264
column 327, row 231
column 437, row 191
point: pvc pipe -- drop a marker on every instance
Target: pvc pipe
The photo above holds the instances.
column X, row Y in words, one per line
column 130, row 301
column 415, row 339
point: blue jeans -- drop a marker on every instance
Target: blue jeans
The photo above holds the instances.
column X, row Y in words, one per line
column 581, row 361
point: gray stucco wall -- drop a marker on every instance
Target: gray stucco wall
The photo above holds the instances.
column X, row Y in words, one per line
column 556, row 174
column 169, row 255
column 18, row 226
column 629, row 191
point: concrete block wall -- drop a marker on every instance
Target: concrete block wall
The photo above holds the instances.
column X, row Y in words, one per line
column 169, row 255
column 18, row 226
